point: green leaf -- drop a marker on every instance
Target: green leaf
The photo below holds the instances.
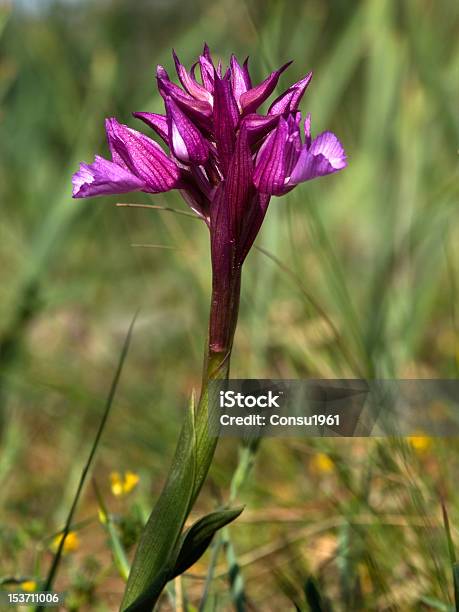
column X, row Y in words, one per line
column 197, row 538
column 157, row 551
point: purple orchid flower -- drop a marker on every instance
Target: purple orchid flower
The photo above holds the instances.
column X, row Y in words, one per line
column 226, row 159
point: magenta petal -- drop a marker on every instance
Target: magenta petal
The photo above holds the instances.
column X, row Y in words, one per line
column 226, row 117
column 104, row 177
column 259, row 126
column 198, row 110
column 270, row 168
column 190, row 84
column 325, row 156
column 252, row 99
column 156, row 122
column 290, row 99
column 207, row 72
column 240, row 79
column 144, row 157
column 186, row 141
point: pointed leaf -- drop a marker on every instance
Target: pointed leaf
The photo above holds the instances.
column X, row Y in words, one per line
column 198, row 537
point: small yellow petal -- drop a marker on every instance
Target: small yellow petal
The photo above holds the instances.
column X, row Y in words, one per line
column 131, row 480
column 71, row 543
column 420, row 442
column 28, row 585
column 123, row 484
column 322, row 463
column 116, row 484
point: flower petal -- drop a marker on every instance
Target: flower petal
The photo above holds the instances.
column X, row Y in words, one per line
column 186, row 141
column 143, row 157
column 198, row 110
column 207, row 72
column 251, row 99
column 240, row 79
column 259, row 126
column 270, row 168
column 156, row 122
column 226, row 117
column 104, row 177
column 190, row 84
column 290, row 99
column 325, row 156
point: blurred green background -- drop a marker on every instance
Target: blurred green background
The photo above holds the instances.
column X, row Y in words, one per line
column 374, row 250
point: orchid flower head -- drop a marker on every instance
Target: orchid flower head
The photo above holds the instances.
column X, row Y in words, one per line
column 224, row 156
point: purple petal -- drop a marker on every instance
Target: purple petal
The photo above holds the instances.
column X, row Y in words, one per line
column 240, row 79
column 270, row 168
column 186, row 141
column 198, row 110
column 226, row 117
column 206, row 52
column 144, row 157
column 190, row 84
column 259, row 126
column 104, row 177
column 110, row 129
column 290, row 99
column 325, row 156
column 252, row 99
column 245, row 68
column 156, row 122
column 207, row 72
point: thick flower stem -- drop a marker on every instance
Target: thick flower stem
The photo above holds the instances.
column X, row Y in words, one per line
column 155, row 556
column 222, row 326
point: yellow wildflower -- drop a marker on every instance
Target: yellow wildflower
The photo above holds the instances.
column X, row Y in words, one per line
column 321, row 462
column 420, row 442
column 123, row 484
column 28, row 585
column 71, row 543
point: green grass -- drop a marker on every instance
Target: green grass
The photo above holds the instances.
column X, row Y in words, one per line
column 375, row 246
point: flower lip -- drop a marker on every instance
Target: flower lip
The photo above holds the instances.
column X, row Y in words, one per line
column 325, row 156
column 283, row 161
column 104, row 177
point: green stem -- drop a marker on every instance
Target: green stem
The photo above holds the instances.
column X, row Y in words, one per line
column 156, row 553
